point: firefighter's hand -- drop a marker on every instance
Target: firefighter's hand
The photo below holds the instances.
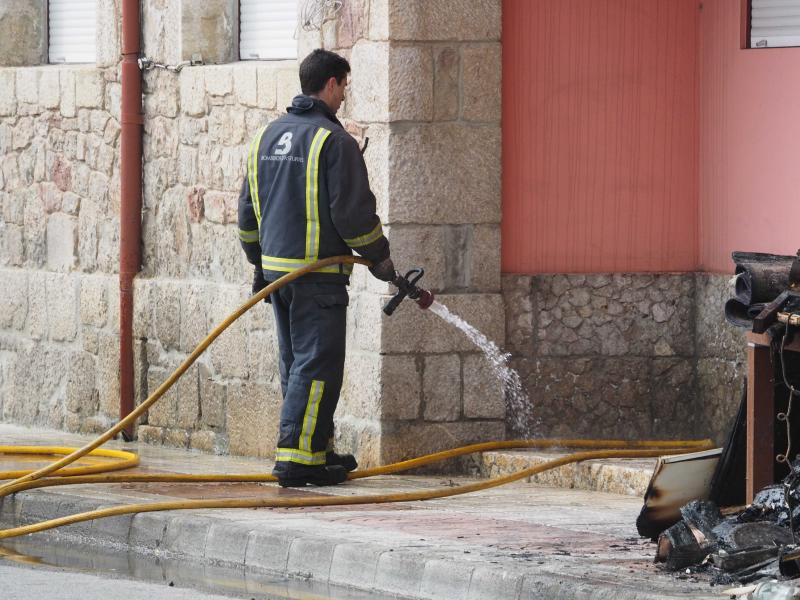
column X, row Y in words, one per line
column 258, row 283
column 383, row 270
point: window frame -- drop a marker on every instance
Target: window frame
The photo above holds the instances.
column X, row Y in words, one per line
column 746, row 18
column 744, row 40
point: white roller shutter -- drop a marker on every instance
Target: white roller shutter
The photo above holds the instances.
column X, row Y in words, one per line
column 774, row 23
column 266, row 29
column 72, row 31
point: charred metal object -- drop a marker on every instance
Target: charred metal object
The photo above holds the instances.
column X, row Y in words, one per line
column 790, row 311
column 789, row 563
column 769, row 314
column 679, row 548
column 763, row 284
column 407, row 287
column 690, row 540
column 739, row 560
column 740, row 549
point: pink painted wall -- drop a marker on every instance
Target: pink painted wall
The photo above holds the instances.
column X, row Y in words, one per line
column 749, row 142
column 600, row 135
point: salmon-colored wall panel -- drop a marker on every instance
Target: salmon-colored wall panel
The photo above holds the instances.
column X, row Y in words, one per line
column 600, row 135
column 749, row 142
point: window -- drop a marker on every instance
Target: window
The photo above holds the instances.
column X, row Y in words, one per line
column 774, row 23
column 267, row 29
column 72, row 31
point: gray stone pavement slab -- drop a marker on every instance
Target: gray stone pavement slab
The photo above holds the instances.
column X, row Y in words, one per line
column 517, row 541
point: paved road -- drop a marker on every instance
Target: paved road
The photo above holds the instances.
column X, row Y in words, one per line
column 35, row 569
column 20, row 582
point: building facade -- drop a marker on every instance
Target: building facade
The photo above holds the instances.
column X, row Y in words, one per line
column 425, row 90
column 617, row 181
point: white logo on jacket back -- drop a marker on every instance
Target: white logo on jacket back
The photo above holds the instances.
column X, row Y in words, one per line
column 284, row 144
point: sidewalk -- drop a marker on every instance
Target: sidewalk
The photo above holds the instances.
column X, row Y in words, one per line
column 518, row 541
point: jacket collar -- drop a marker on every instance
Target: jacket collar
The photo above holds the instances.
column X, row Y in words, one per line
column 305, row 104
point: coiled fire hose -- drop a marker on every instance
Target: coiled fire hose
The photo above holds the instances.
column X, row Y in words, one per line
column 88, row 474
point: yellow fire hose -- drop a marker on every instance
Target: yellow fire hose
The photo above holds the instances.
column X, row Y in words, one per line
column 127, row 460
column 89, row 474
column 642, row 450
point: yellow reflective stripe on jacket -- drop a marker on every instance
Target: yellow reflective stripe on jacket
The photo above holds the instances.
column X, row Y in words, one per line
column 312, row 194
column 367, row 238
column 248, row 236
column 251, row 182
column 300, row 456
column 310, row 417
column 252, row 173
column 287, row 265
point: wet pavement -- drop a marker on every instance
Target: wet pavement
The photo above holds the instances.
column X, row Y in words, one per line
column 518, row 541
column 31, row 570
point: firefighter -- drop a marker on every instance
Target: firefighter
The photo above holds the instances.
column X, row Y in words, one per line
column 306, row 196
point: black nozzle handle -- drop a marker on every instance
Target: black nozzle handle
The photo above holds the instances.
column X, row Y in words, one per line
column 392, row 304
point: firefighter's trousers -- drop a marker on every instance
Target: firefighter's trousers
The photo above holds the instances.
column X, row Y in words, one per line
column 311, row 320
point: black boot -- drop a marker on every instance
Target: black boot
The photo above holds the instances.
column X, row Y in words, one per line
column 348, row 461
column 301, row 475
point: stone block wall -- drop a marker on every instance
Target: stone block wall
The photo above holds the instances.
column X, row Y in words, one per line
column 625, row 356
column 59, row 192
column 721, row 358
column 59, row 241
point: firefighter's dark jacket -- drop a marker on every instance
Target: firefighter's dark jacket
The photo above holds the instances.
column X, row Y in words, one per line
column 306, row 196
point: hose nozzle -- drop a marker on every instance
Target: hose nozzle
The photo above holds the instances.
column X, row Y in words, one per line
column 407, row 286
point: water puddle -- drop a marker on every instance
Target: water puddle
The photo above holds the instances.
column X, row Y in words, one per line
column 520, row 409
column 223, row 580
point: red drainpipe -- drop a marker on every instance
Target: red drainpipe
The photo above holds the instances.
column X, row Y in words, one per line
column 130, row 218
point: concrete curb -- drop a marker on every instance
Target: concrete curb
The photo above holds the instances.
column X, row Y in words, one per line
column 318, row 553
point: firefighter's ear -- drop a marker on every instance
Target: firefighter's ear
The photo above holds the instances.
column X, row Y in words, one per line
column 331, row 84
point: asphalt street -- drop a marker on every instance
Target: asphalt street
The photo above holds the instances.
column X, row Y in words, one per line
column 23, row 582
column 35, row 569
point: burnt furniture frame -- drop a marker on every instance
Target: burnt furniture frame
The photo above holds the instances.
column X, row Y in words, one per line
column 761, row 412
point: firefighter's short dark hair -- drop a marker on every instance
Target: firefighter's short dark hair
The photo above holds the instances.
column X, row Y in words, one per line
column 318, row 67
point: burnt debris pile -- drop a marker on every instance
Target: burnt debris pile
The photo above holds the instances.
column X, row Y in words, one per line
column 761, row 540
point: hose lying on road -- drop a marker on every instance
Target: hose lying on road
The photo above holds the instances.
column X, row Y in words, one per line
column 78, row 475
column 617, row 449
column 126, row 460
